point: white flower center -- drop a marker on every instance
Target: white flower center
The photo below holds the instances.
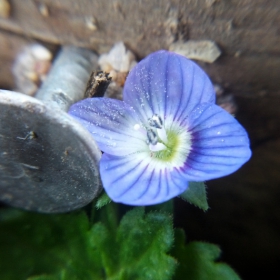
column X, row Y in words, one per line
column 168, row 143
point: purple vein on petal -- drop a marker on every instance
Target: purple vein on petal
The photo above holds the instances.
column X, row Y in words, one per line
column 220, row 156
column 189, row 93
column 204, row 120
column 112, row 130
column 220, row 147
column 191, row 168
column 218, row 126
column 157, row 69
column 203, row 88
column 165, row 86
column 117, row 130
column 162, row 190
column 158, row 185
column 132, row 184
column 149, row 94
column 120, row 164
column 167, row 174
column 127, row 173
column 180, row 186
column 176, row 186
column 216, row 137
column 183, row 89
column 145, row 88
column 191, row 157
column 111, row 124
column 147, row 185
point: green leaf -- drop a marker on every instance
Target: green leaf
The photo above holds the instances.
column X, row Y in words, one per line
column 197, row 261
column 167, row 207
column 138, row 249
column 65, row 247
column 103, row 200
column 37, row 244
column 196, row 195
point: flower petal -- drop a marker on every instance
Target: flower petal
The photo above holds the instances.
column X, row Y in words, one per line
column 167, row 84
column 220, row 145
column 137, row 180
column 111, row 123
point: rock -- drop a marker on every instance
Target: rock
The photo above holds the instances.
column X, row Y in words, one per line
column 31, row 67
column 5, row 9
column 204, row 50
column 118, row 62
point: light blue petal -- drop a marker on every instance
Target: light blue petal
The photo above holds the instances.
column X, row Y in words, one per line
column 135, row 181
column 167, row 84
column 220, row 145
column 111, row 124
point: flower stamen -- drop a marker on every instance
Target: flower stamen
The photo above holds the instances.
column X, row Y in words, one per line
column 152, row 136
column 156, row 132
column 156, row 121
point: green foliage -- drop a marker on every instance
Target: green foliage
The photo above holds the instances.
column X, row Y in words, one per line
column 59, row 247
column 138, row 248
column 167, row 207
column 34, row 244
column 197, row 261
column 70, row 247
column 196, row 195
column 103, row 200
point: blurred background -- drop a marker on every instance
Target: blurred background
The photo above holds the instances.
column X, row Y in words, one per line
column 244, row 214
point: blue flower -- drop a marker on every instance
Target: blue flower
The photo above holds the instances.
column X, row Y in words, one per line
column 166, row 132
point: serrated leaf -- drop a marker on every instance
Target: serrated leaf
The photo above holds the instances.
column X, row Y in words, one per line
column 197, row 261
column 138, row 249
column 196, row 195
column 65, row 247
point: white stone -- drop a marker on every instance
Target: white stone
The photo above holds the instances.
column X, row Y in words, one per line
column 119, row 58
column 203, row 50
